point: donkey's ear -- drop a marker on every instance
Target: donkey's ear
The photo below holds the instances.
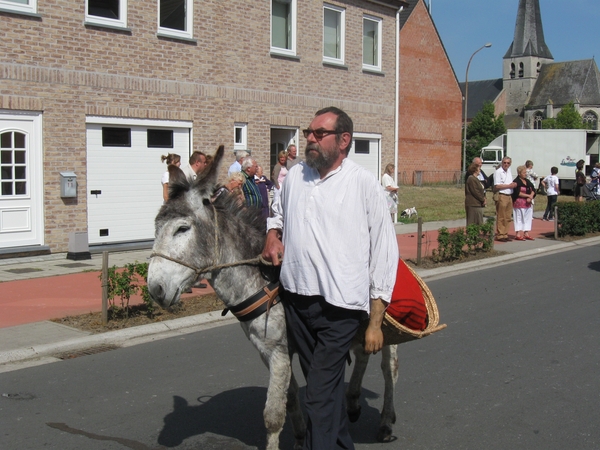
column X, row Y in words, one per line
column 209, row 176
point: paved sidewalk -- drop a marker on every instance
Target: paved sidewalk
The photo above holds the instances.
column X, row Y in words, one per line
column 34, row 290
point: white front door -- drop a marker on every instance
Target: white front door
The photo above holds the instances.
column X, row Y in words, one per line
column 366, row 152
column 124, row 171
column 21, row 201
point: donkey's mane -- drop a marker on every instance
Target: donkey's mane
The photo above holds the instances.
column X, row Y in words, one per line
column 228, row 205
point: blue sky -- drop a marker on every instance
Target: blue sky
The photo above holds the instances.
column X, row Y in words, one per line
column 570, row 29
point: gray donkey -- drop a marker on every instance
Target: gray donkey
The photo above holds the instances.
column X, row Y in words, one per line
column 220, row 240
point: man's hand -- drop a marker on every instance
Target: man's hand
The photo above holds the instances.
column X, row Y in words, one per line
column 273, row 249
column 374, row 335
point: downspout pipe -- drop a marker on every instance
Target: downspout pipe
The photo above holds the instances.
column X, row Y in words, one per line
column 397, row 100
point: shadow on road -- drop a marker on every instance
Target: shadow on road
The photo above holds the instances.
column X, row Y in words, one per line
column 237, row 415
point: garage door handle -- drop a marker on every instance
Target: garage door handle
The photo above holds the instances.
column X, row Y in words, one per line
column 95, row 192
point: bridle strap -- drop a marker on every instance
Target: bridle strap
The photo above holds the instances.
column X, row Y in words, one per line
column 256, row 305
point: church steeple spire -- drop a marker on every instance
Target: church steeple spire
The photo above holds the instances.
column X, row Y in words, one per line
column 529, row 33
column 525, row 57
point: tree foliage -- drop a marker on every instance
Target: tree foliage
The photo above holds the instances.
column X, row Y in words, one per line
column 567, row 119
column 483, row 129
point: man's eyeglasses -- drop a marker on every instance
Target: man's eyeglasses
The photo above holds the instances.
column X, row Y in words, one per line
column 319, row 134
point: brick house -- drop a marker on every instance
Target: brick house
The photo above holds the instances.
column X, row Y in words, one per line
column 429, row 137
column 92, row 93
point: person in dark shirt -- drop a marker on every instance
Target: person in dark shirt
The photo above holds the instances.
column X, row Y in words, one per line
column 249, row 188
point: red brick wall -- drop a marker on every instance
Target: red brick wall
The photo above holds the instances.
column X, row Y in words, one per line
column 430, row 100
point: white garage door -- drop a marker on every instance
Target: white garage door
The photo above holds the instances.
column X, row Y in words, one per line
column 366, row 152
column 124, row 170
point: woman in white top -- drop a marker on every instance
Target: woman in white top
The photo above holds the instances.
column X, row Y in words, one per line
column 391, row 189
column 279, row 172
column 552, row 188
column 171, row 159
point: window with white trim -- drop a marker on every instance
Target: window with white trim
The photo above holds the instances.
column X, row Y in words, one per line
column 24, row 6
column 240, row 136
column 106, row 12
column 372, row 43
column 13, row 164
column 334, row 34
column 283, row 27
column 175, row 18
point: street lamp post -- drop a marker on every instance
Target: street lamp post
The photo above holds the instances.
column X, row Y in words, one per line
column 464, row 156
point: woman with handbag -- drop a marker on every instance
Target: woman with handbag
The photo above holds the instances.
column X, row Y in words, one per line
column 522, row 197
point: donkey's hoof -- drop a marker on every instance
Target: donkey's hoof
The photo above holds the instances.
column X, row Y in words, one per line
column 385, row 434
column 354, row 414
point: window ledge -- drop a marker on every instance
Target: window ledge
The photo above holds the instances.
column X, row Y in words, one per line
column 176, row 38
column 284, row 56
column 374, row 72
column 110, row 27
column 335, row 65
column 20, row 13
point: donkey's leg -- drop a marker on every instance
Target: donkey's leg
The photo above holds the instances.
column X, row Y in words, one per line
column 354, row 387
column 295, row 413
column 389, row 367
column 280, row 371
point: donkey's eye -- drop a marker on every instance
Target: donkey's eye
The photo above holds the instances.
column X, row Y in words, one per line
column 182, row 229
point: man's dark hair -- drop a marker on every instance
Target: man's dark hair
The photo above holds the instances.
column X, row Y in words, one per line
column 554, row 170
column 195, row 157
column 343, row 124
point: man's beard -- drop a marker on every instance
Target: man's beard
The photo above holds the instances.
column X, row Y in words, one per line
column 320, row 160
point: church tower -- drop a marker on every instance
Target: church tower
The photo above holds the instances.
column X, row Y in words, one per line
column 525, row 56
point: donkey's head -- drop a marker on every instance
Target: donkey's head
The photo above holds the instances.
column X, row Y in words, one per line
column 184, row 231
column 192, row 233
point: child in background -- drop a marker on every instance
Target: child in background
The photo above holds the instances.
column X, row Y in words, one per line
column 552, row 188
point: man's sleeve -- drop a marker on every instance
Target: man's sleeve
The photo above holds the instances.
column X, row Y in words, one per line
column 384, row 247
column 276, row 221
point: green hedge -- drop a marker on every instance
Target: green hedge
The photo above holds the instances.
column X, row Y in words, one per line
column 453, row 245
column 578, row 218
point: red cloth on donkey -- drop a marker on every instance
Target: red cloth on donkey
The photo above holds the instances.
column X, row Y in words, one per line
column 408, row 305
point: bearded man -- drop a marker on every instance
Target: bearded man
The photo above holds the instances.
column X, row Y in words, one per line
column 340, row 262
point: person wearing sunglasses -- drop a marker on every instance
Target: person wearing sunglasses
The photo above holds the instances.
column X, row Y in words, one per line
column 337, row 248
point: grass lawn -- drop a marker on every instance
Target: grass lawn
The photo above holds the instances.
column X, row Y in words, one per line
column 448, row 202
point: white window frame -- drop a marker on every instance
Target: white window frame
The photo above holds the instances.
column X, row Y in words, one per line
column 379, row 22
column 243, row 145
column 29, row 8
column 105, row 21
column 292, row 31
column 341, row 36
column 188, row 33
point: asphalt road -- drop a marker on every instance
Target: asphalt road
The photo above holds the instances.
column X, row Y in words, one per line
column 517, row 368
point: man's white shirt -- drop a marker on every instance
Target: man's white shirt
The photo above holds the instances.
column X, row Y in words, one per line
column 338, row 237
column 503, row 177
